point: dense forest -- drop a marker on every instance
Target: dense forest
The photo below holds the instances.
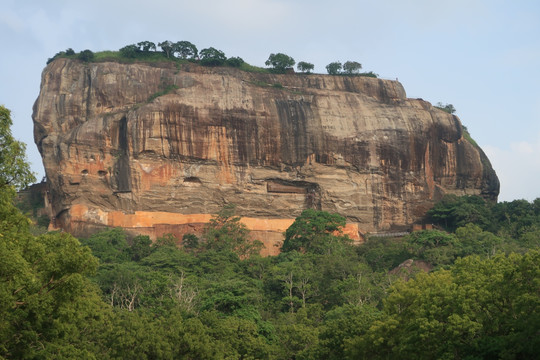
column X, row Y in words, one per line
column 469, row 289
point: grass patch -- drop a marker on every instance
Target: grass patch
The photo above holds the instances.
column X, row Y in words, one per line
column 369, row 74
column 167, row 90
column 150, row 57
column 254, row 69
column 467, row 136
column 259, row 83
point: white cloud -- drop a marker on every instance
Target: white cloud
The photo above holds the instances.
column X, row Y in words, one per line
column 518, row 169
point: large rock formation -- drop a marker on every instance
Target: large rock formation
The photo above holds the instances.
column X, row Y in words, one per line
column 158, row 148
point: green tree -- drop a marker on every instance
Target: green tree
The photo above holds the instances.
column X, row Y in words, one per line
column 140, row 247
column 456, row 211
column 341, row 325
column 239, row 338
column 449, row 108
column 86, row 55
column 14, row 169
column 383, row 254
column 212, row 57
column 146, row 46
column 167, row 47
column 315, row 231
column 235, row 61
column 434, row 246
column 471, row 240
column 48, row 308
column 530, row 239
column 480, row 308
column 110, row 246
column 190, row 242
column 334, row 68
column 305, row 67
column 369, row 74
column 514, row 218
column 130, row 51
column 185, row 50
column 225, row 232
column 351, row 67
column 68, row 52
column 280, row 62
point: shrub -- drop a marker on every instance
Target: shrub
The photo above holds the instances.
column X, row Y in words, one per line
column 235, row 61
column 212, row 57
column 280, row 62
column 352, row 67
column 129, row 51
column 305, row 67
column 86, row 55
column 369, row 74
column 334, row 68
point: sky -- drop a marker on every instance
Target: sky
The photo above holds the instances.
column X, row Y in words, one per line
column 482, row 56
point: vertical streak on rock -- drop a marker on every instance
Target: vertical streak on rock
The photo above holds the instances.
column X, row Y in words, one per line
column 429, row 173
column 122, row 169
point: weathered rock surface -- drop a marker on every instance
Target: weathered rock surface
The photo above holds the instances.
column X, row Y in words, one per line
column 120, row 151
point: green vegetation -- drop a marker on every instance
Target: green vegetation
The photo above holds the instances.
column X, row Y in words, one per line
column 14, row 169
column 254, row 69
column 349, row 68
column 86, row 55
column 212, row 57
column 167, row 90
column 481, row 308
column 352, row 67
column 334, row 68
column 449, row 108
column 305, row 67
column 280, row 63
column 369, row 74
column 111, row 296
column 184, row 51
column 235, row 62
column 469, row 138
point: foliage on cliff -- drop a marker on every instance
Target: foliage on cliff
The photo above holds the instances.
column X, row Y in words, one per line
column 185, row 51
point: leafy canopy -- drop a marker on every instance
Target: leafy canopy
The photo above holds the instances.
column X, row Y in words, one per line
column 334, row 68
column 14, row 169
column 449, row 108
column 185, row 50
column 315, row 231
column 280, row 62
column 212, row 57
column 351, row 67
column 305, row 67
column 479, row 309
column 225, row 232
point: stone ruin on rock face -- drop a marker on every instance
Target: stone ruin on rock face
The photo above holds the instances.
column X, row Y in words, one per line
column 115, row 154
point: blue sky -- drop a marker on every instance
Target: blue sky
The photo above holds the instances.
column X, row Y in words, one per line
column 482, row 56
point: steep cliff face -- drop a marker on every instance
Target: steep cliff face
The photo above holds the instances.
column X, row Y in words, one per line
column 156, row 148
